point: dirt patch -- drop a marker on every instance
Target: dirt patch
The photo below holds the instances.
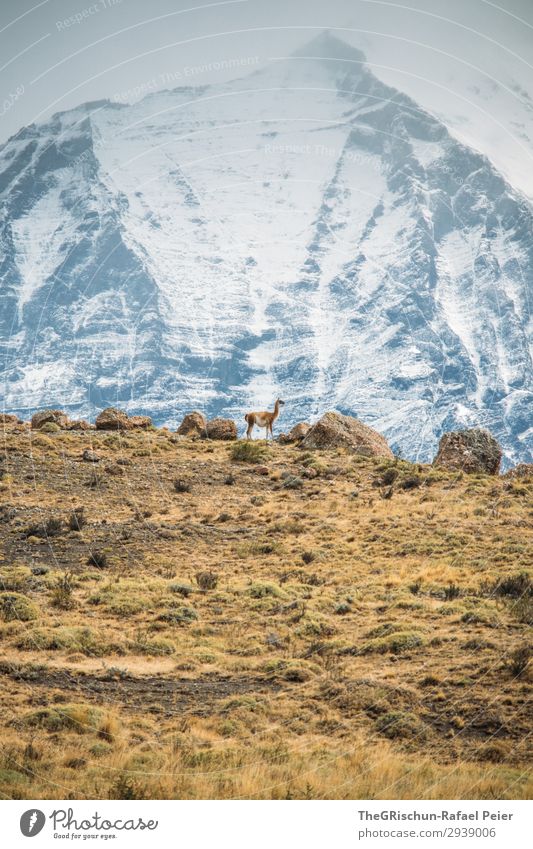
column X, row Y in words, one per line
column 154, row 694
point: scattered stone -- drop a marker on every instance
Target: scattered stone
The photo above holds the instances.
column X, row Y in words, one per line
column 90, row 456
column 471, row 451
column 57, row 417
column 411, row 482
column 296, row 434
column 193, row 424
column 261, row 470
column 335, row 430
column 114, row 469
column 221, row 429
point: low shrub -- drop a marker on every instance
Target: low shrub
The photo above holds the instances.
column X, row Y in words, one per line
column 181, row 589
column 249, row 451
column 181, row 485
column 206, row 580
column 396, row 643
column 84, row 719
column 399, row 724
column 16, row 607
column 519, row 659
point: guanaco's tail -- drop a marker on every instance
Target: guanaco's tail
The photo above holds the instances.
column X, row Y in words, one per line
column 246, row 417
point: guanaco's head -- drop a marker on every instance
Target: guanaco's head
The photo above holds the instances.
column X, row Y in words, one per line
column 280, row 402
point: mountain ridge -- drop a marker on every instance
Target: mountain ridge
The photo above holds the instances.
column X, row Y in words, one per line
column 190, row 260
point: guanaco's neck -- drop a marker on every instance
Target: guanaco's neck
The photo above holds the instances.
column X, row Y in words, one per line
column 276, row 410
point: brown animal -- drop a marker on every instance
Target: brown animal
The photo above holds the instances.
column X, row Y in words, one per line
column 263, row 419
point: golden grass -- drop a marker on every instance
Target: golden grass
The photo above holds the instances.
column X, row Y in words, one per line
column 351, row 642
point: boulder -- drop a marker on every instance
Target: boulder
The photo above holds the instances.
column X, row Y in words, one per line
column 90, row 456
column 221, row 429
column 9, row 419
column 335, row 430
column 296, row 434
column 80, row 424
column 140, row 422
column 193, row 424
column 520, row 472
column 112, row 419
column 471, row 451
column 57, row 417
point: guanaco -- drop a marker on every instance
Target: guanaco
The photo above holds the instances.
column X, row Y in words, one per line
column 263, row 419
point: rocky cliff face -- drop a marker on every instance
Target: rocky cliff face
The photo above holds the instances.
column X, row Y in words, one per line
column 305, row 231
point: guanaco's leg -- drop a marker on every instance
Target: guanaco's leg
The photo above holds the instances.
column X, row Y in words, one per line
column 250, row 428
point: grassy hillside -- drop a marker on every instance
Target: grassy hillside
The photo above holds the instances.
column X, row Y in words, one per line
column 179, row 622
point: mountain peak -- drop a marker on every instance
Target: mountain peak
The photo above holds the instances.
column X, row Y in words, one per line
column 328, row 46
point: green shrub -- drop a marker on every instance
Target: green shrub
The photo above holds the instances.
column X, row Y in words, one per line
column 72, row 717
column 249, row 451
column 16, row 607
column 181, row 589
column 519, row 660
column 181, row 485
column 82, row 640
column 207, row 580
column 263, row 590
column 514, row 586
column 63, row 592
column 181, row 616
column 50, row 427
column 293, row 482
column 396, row 724
column 395, row 643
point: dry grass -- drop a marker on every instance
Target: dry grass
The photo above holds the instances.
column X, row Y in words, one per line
column 364, row 633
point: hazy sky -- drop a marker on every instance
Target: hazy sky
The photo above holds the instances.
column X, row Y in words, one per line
column 470, row 61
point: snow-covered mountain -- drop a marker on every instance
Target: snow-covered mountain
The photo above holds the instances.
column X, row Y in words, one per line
column 304, row 231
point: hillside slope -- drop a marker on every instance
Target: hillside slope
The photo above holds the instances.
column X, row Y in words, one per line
column 312, row 625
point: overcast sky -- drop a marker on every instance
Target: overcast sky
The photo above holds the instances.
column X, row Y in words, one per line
column 468, row 61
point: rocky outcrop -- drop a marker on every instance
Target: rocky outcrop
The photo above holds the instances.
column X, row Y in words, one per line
column 221, row 429
column 8, row 419
column 335, row 430
column 193, row 424
column 296, row 434
column 521, row 472
column 471, row 451
column 57, row 417
column 113, row 419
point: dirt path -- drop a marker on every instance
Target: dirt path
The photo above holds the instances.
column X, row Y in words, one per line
column 154, row 694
